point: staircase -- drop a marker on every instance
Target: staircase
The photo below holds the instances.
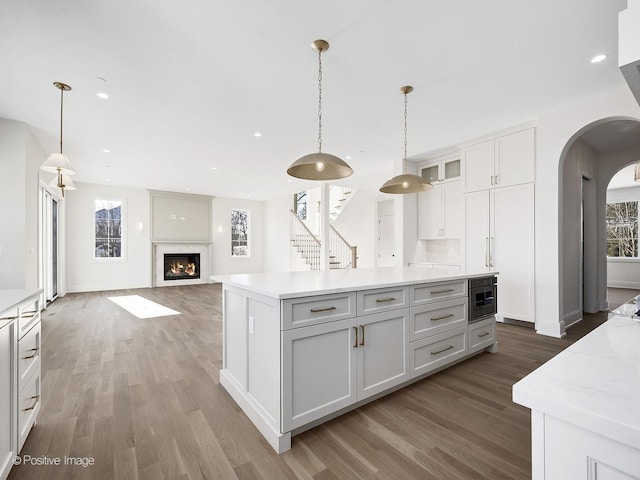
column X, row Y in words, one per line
column 341, row 254
column 338, row 198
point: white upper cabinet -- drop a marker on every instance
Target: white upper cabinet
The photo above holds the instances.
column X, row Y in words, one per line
column 500, row 162
column 440, row 209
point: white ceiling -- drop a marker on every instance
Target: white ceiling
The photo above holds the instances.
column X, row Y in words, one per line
column 190, row 82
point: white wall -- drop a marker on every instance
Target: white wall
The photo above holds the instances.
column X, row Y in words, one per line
column 279, row 256
column 83, row 271
column 624, row 272
column 580, row 162
column 223, row 262
column 357, row 224
column 555, row 133
column 20, row 159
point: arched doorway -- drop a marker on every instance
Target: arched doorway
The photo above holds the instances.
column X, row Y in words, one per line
column 588, row 162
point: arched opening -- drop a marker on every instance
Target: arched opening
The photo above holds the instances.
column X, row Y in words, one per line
column 588, row 162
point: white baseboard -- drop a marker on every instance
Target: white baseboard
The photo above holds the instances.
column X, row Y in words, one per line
column 78, row 288
column 623, row 284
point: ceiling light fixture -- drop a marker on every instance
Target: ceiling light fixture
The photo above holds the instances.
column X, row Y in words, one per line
column 319, row 166
column 636, row 173
column 57, row 162
column 102, row 95
column 405, row 183
column 257, row 134
column 598, row 58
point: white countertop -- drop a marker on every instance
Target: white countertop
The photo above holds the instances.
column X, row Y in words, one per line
column 299, row 284
column 594, row 383
column 10, row 299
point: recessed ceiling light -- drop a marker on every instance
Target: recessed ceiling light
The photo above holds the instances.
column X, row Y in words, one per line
column 187, row 189
column 107, row 179
column 257, row 134
column 102, row 95
column 348, row 157
column 248, row 196
column 106, row 150
column 214, row 168
column 598, row 58
column 289, row 180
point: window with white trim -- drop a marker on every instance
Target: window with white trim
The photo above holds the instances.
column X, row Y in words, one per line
column 622, row 229
column 108, row 229
column 240, row 233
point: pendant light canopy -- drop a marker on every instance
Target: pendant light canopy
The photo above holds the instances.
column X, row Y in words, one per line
column 405, row 183
column 636, row 173
column 58, row 163
column 319, row 166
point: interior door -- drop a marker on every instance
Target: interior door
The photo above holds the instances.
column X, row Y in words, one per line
column 385, row 244
column 49, row 245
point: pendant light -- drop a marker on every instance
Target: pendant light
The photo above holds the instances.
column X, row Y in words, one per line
column 405, row 183
column 58, row 163
column 319, row 166
column 636, row 172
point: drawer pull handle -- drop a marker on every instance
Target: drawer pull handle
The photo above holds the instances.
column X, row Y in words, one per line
column 355, row 345
column 362, row 341
column 37, row 399
column 442, row 317
column 29, row 315
column 443, row 350
column 484, row 334
column 316, row 310
column 435, row 292
column 34, row 355
column 382, row 300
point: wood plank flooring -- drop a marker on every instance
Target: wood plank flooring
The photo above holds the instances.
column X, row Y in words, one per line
column 142, row 399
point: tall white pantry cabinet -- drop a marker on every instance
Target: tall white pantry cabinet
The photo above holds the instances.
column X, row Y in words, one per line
column 499, row 218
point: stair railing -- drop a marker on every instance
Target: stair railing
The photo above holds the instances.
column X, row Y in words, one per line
column 306, row 242
column 341, row 250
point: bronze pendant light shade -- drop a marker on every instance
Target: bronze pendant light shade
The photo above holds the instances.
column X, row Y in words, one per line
column 405, row 183
column 319, row 166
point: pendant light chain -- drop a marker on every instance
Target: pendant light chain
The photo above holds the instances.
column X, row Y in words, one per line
column 320, row 101
column 405, row 134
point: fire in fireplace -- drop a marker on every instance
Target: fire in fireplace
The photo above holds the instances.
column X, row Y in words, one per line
column 181, row 266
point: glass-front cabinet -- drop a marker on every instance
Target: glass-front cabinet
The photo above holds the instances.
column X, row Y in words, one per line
column 441, row 171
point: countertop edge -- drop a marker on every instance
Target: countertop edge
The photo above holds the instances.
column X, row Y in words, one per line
column 14, row 297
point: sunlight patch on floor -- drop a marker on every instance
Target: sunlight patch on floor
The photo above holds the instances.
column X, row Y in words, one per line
column 141, row 307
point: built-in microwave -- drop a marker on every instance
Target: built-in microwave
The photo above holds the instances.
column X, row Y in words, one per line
column 483, row 298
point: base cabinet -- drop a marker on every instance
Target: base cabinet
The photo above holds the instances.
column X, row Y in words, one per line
column 8, row 395
column 325, row 363
column 569, row 451
column 319, row 371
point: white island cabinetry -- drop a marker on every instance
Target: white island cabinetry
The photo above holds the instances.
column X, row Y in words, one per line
column 585, row 407
column 303, row 347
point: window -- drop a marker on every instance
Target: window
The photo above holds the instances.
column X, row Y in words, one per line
column 622, row 229
column 300, row 205
column 239, row 233
column 108, row 229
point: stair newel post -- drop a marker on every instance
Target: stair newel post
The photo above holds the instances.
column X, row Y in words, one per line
column 325, row 201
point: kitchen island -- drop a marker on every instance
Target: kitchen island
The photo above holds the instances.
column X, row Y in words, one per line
column 300, row 348
column 585, row 406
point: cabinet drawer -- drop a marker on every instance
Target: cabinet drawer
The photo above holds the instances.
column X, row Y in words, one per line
column 28, row 407
column 432, row 292
column 482, row 334
column 29, row 315
column 303, row 311
column 437, row 317
column 28, row 354
column 382, row 299
column 436, row 351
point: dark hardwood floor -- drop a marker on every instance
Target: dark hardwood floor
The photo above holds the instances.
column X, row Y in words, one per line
column 141, row 400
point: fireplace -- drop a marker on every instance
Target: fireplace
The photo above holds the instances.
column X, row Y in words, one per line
column 181, row 266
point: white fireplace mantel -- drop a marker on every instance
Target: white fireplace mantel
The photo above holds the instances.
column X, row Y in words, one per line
column 160, row 248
